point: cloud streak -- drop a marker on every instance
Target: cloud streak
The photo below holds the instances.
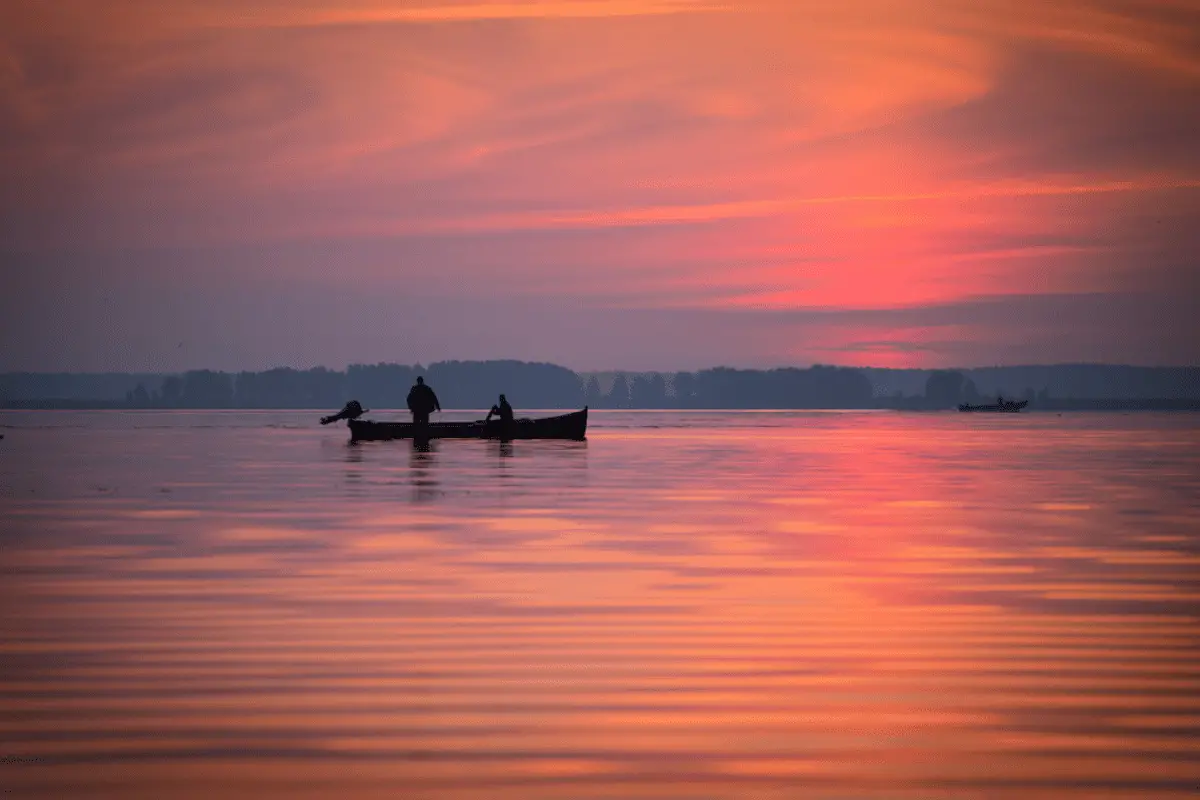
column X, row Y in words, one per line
column 268, row 15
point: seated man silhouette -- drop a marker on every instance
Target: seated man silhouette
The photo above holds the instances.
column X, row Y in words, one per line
column 503, row 410
column 422, row 402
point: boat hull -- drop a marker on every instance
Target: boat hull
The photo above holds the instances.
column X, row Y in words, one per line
column 566, row 426
column 1010, row 408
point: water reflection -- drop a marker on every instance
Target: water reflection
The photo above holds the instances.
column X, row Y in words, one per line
column 353, row 459
column 422, row 464
column 865, row 606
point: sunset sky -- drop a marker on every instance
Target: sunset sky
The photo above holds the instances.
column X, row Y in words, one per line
column 635, row 184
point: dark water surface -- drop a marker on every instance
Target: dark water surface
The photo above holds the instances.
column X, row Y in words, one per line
column 758, row 605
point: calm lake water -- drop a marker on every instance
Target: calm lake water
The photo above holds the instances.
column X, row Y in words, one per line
column 688, row 605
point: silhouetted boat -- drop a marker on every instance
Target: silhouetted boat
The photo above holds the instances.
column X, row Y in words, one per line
column 1011, row 406
column 565, row 426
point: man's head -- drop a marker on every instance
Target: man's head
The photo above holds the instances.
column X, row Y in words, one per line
column 502, row 400
column 420, row 381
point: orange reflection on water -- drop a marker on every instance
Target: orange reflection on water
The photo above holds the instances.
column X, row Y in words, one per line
column 867, row 605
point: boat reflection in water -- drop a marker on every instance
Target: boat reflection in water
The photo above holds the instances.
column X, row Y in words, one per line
column 422, row 465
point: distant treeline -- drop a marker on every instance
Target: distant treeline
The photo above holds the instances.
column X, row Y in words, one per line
column 475, row 384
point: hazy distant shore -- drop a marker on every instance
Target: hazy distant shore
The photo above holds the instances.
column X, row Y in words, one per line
column 475, row 384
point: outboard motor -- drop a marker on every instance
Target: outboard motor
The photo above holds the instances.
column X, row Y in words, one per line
column 352, row 410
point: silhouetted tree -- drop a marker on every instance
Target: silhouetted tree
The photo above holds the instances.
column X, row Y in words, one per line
column 171, row 393
column 380, row 385
column 207, row 389
column 944, row 389
column 818, row 387
column 648, row 392
column 323, row 387
column 618, row 395
column 658, row 390
column 592, row 396
column 684, row 385
column 138, row 397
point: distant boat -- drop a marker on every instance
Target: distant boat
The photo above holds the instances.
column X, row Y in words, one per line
column 1011, row 406
column 565, row 426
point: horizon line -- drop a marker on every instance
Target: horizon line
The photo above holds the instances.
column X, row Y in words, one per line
column 426, row 367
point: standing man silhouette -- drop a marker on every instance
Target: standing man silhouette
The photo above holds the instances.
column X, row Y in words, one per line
column 422, row 402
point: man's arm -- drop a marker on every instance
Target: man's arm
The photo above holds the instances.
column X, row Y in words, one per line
column 437, row 406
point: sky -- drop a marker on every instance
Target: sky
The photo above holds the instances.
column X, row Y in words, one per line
column 603, row 184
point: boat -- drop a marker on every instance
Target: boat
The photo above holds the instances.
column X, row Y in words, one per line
column 1011, row 406
column 565, row 426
